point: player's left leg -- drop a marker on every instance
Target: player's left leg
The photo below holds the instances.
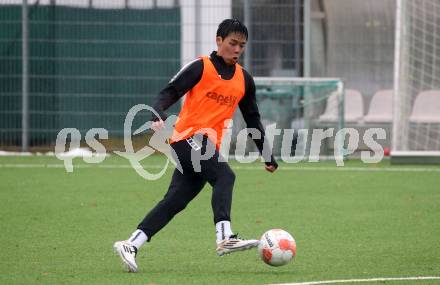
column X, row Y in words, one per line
column 221, row 177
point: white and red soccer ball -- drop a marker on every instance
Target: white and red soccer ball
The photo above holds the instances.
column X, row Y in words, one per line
column 277, row 247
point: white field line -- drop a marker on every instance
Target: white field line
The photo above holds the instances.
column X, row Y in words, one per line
column 419, row 278
column 239, row 167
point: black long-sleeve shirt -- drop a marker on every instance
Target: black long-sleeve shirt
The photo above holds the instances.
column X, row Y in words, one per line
column 191, row 74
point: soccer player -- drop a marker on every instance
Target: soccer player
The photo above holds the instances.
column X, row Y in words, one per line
column 215, row 86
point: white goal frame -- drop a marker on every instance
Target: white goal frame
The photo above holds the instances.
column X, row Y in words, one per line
column 400, row 152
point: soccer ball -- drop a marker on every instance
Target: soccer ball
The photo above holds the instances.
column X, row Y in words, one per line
column 277, row 247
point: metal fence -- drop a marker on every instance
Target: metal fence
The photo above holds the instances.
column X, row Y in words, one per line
column 85, row 63
column 80, row 67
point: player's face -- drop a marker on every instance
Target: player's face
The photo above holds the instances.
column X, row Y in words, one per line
column 231, row 47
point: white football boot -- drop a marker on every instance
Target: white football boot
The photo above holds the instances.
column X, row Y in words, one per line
column 127, row 253
column 235, row 243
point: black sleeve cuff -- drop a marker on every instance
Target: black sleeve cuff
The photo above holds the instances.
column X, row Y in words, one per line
column 272, row 162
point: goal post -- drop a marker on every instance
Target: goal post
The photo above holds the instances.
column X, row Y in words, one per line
column 295, row 107
column 416, row 114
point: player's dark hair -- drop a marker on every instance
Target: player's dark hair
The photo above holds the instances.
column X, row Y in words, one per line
column 230, row 26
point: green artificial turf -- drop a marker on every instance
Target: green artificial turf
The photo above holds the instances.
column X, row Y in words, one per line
column 356, row 221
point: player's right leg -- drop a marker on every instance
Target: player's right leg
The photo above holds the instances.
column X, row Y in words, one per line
column 183, row 188
column 127, row 252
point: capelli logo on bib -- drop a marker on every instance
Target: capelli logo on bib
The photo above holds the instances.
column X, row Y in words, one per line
column 221, row 99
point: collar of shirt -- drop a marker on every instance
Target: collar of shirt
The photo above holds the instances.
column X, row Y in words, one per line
column 225, row 71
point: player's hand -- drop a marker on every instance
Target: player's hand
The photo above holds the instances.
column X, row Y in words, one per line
column 158, row 125
column 270, row 168
column 271, row 165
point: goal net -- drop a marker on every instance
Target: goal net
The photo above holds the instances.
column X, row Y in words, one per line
column 416, row 119
column 290, row 109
